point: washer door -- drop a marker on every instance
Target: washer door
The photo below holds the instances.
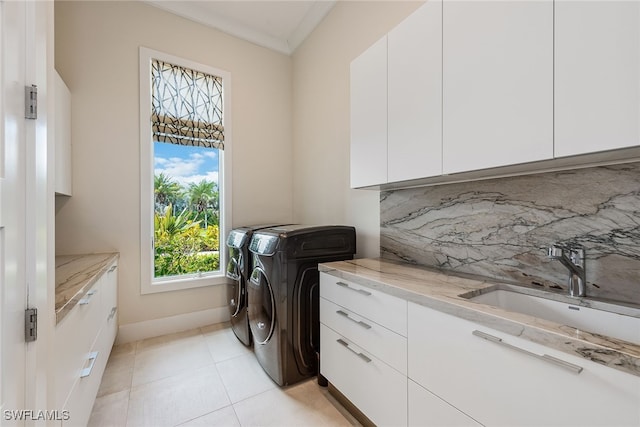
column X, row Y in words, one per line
column 235, row 299
column 261, row 306
column 233, row 269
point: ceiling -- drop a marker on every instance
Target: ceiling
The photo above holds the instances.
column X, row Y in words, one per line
column 278, row 25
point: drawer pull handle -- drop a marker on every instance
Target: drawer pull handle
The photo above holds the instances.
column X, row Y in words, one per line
column 360, row 355
column 112, row 268
column 360, row 291
column 87, row 297
column 359, row 322
column 92, row 361
column 547, row 358
column 113, row 313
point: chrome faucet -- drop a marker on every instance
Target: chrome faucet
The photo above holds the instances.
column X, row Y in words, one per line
column 575, row 264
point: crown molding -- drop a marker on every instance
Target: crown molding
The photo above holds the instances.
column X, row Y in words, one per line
column 198, row 12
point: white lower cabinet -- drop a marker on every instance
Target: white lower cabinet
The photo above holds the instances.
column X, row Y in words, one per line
column 375, row 388
column 502, row 380
column 427, row 409
column 448, row 371
column 83, row 342
column 363, row 348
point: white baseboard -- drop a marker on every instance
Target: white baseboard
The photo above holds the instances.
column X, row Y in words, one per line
column 168, row 325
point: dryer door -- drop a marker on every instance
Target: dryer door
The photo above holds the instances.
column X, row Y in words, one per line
column 261, row 307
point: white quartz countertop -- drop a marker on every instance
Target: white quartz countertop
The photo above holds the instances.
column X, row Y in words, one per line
column 75, row 274
column 440, row 291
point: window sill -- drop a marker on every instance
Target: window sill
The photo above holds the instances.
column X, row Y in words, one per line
column 180, row 284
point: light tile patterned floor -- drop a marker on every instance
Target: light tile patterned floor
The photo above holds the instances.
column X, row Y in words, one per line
column 204, row 377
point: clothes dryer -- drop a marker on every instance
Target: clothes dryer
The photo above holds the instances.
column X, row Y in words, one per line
column 283, row 295
column 238, row 270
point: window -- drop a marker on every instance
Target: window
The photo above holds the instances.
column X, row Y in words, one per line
column 185, row 158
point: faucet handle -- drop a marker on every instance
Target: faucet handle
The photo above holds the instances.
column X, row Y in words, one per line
column 555, row 252
column 577, row 256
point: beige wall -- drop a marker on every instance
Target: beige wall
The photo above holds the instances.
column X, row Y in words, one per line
column 321, row 191
column 292, row 132
column 97, row 56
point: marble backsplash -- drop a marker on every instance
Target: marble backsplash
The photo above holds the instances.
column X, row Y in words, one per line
column 502, row 228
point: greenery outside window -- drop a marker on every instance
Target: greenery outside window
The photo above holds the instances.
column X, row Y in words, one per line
column 185, row 175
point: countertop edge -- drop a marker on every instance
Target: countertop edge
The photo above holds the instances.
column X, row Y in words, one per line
column 86, row 269
column 605, row 351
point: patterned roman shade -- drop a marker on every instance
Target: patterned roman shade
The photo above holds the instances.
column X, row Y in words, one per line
column 186, row 106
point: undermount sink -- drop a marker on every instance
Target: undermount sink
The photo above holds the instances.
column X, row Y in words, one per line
column 597, row 317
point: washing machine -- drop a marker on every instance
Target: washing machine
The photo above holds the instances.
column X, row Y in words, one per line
column 238, row 270
column 283, row 295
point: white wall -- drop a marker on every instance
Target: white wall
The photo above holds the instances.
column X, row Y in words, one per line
column 96, row 50
column 321, row 191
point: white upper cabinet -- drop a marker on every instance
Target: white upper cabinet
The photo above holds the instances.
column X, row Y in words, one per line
column 415, row 95
column 597, row 76
column 62, row 132
column 369, row 116
column 497, row 83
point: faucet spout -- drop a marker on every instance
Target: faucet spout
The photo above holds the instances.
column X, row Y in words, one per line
column 575, row 264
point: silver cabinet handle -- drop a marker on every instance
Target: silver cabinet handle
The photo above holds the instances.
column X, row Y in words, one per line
column 360, row 291
column 87, row 297
column 547, row 358
column 359, row 322
column 113, row 313
column 112, row 268
column 92, row 361
column 360, row 355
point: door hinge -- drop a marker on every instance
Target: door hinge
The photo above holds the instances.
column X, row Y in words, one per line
column 31, row 102
column 30, row 324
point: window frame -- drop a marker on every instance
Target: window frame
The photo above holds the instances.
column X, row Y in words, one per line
column 148, row 283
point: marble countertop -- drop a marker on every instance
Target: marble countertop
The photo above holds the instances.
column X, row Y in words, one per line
column 75, row 274
column 441, row 291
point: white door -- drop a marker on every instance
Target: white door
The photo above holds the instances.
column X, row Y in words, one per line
column 415, row 95
column 597, row 76
column 497, row 83
column 12, row 208
column 369, row 116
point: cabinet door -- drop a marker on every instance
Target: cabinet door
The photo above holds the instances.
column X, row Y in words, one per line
column 505, row 385
column 415, row 95
column 427, row 409
column 369, row 116
column 497, row 83
column 597, row 76
column 62, row 114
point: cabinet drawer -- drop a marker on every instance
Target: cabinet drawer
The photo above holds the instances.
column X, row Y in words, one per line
column 384, row 309
column 110, row 290
column 384, row 344
column 84, row 391
column 110, row 298
column 496, row 383
column 378, row 390
column 74, row 337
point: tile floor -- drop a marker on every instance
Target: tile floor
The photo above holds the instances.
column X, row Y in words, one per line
column 204, row 377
